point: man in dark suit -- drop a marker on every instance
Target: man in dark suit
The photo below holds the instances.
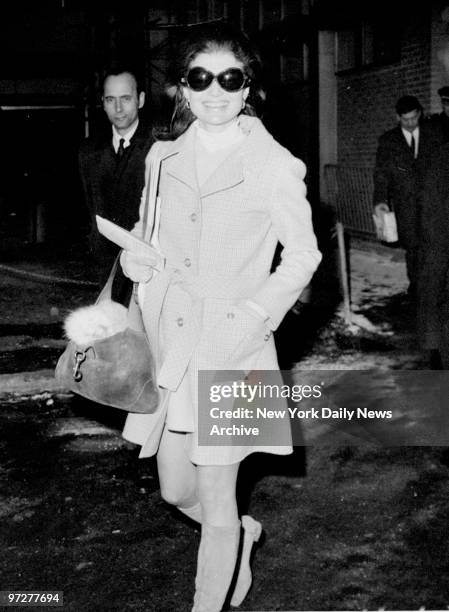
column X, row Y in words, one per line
column 402, row 158
column 112, row 169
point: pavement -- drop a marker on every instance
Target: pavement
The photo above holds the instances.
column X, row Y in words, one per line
column 39, row 285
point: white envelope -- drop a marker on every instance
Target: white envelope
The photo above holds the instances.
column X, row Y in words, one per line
column 129, row 242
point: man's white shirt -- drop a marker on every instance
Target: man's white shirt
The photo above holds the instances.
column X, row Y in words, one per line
column 408, row 136
column 116, row 137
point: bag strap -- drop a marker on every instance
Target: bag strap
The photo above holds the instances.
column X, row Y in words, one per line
column 106, row 292
column 152, row 203
column 151, row 210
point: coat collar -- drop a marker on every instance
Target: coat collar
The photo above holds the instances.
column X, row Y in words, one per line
column 248, row 158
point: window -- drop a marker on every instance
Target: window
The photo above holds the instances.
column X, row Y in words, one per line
column 346, row 50
column 368, row 44
column 294, row 64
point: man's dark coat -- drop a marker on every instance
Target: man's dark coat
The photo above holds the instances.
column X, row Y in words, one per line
column 433, row 282
column 440, row 122
column 112, row 188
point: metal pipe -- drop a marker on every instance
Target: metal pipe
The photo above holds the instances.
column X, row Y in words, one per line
column 33, row 107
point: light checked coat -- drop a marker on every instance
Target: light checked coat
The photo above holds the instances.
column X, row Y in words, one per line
column 219, row 243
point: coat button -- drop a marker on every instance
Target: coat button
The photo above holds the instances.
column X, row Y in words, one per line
column 187, row 262
column 193, row 217
column 230, row 315
column 266, row 337
column 180, row 321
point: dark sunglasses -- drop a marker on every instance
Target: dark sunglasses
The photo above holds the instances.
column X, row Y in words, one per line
column 199, row 79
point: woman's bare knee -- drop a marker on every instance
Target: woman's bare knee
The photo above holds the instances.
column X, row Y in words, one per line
column 171, row 496
column 177, row 494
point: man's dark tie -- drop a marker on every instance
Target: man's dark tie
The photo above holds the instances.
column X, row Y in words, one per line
column 121, row 149
column 412, row 145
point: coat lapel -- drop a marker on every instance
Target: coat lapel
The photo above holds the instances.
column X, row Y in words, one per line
column 257, row 146
column 181, row 162
column 227, row 175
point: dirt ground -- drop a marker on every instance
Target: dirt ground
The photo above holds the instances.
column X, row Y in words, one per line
column 38, row 287
column 347, row 527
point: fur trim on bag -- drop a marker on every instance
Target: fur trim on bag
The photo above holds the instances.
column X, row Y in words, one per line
column 90, row 323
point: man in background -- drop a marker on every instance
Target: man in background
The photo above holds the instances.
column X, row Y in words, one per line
column 402, row 158
column 112, row 169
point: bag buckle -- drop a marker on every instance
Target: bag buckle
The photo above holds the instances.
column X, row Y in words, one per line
column 80, row 356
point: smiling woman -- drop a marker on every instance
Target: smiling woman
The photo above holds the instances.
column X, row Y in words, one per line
column 235, row 67
column 228, row 193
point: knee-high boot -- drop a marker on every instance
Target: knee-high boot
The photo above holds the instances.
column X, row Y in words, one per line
column 251, row 533
column 217, row 555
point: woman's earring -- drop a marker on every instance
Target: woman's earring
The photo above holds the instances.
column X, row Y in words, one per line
column 187, row 103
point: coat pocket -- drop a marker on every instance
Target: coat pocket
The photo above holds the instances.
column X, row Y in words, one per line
column 232, row 336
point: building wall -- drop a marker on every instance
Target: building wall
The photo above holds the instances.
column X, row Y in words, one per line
column 366, row 98
column 440, row 51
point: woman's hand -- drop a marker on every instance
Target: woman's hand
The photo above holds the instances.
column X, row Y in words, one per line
column 136, row 267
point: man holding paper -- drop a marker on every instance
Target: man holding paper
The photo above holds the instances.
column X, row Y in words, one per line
column 402, row 157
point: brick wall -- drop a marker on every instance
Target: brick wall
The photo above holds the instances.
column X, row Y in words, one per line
column 366, row 98
column 440, row 52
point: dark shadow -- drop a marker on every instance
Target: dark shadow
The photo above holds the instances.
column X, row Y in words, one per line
column 108, row 416
column 297, row 333
column 398, row 309
column 259, row 465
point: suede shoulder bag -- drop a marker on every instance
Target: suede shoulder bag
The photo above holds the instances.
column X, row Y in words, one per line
column 108, row 359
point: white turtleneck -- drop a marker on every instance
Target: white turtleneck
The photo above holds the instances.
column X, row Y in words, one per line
column 212, row 148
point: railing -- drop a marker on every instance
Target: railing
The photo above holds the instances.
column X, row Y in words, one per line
column 350, row 190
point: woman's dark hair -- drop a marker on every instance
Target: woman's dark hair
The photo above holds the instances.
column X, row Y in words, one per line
column 206, row 39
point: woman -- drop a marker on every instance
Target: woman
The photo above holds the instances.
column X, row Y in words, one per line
column 228, row 193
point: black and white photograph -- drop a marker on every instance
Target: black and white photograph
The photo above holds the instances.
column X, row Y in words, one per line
column 224, row 305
